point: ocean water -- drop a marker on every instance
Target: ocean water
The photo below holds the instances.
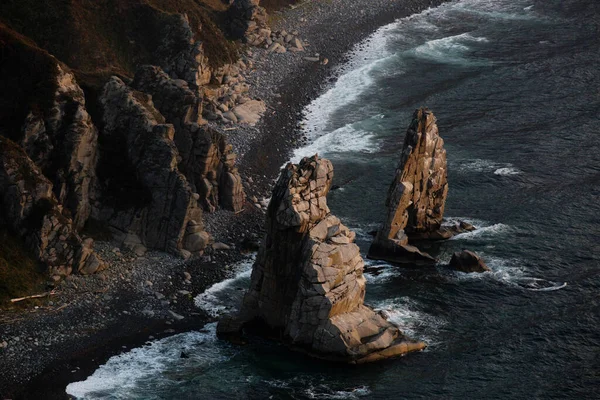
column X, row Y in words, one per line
column 515, row 86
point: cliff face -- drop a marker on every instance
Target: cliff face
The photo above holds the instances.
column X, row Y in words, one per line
column 206, row 159
column 147, row 164
column 52, row 125
column 160, row 219
column 307, row 284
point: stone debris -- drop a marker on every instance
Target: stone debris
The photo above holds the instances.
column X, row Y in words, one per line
column 307, row 283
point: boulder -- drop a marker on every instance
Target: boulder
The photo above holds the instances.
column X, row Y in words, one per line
column 307, row 285
column 467, row 261
column 29, row 210
column 250, row 112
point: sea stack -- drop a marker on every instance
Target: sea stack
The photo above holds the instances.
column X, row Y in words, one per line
column 307, row 283
column 417, row 196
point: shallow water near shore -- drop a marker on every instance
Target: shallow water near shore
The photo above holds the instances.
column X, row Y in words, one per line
column 515, row 87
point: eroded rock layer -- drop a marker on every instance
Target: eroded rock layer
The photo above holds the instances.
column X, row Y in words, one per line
column 29, row 209
column 307, row 282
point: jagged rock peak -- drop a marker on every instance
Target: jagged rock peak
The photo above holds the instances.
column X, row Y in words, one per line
column 29, row 209
column 307, row 283
column 158, row 204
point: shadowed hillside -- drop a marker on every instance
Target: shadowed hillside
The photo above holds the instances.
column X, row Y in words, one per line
column 114, row 35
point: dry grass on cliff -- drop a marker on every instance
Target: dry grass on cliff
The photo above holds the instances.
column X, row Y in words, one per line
column 20, row 274
column 114, row 35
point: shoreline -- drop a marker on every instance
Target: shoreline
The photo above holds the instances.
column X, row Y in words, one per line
column 287, row 83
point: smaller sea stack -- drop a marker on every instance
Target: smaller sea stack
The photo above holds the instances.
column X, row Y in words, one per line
column 417, row 196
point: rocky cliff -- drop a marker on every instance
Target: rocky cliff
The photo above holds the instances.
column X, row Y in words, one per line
column 132, row 153
column 307, row 283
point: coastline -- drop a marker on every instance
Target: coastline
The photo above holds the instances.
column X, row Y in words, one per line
column 287, row 83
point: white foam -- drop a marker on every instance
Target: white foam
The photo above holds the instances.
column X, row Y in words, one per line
column 122, row 374
column 323, row 392
column 485, row 166
column 450, row 49
column 510, row 272
column 378, row 272
column 507, row 171
column 416, row 324
column 221, row 297
column 496, row 10
column 341, row 140
column 354, row 77
column 484, row 232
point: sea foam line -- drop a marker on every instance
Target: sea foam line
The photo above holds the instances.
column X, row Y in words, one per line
column 122, row 373
column 221, row 297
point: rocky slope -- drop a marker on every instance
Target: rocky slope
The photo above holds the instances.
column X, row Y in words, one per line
column 307, row 284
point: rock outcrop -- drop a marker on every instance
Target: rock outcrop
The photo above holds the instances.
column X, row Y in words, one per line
column 29, row 209
column 307, row 283
column 182, row 56
column 154, row 201
column 249, row 21
column 207, row 161
column 467, row 261
column 55, row 129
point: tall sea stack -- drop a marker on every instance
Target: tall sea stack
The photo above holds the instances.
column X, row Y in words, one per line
column 307, row 283
column 417, row 196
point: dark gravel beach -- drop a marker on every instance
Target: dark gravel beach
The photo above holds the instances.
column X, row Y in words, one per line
column 92, row 318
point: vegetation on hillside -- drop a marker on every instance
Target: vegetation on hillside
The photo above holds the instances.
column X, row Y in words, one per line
column 20, row 274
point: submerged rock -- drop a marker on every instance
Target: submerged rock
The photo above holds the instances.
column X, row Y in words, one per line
column 467, row 261
column 307, row 284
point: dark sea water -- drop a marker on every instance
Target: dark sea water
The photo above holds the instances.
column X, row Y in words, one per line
column 515, row 85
